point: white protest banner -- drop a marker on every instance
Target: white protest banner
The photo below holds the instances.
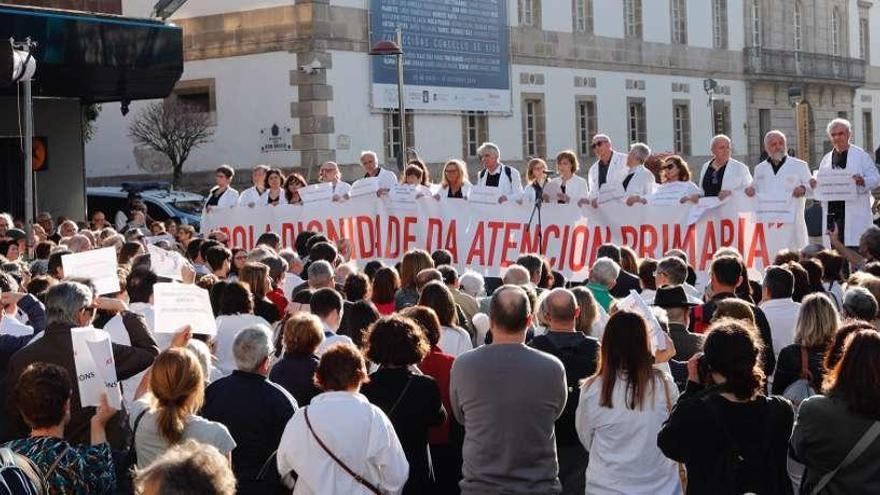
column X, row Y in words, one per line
column 178, row 305
column 98, row 265
column 156, row 239
column 93, row 357
column 835, row 185
column 775, row 207
column 403, row 196
column 609, row 193
column 634, row 303
column 484, row 195
column 313, row 193
column 167, row 264
column 669, row 194
column 364, row 187
column 11, row 326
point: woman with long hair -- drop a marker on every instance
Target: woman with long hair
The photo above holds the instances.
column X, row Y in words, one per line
column 621, row 409
column 829, row 427
column 814, row 331
column 274, row 184
column 256, row 276
column 536, row 179
column 732, row 438
column 412, row 263
column 292, row 185
column 168, row 414
column 455, row 183
column 454, row 340
column 676, row 171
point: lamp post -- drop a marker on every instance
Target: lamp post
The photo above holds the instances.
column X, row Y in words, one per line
column 386, row 48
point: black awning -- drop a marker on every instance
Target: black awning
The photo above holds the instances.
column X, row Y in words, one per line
column 98, row 58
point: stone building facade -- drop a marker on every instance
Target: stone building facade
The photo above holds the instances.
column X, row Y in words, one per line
column 633, row 69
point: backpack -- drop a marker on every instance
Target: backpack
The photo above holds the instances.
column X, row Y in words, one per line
column 507, row 172
column 803, row 388
column 20, row 476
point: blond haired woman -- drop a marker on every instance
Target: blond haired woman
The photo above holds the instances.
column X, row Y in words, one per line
column 455, row 183
column 166, row 415
column 815, row 328
column 536, row 180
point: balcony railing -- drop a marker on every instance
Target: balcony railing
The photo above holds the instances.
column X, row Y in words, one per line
column 762, row 62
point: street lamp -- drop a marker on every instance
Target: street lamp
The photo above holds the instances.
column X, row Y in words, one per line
column 385, row 48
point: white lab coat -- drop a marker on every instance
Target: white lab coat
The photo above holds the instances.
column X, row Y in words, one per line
column 512, row 188
column 736, row 176
column 341, row 188
column 264, row 199
column 858, row 211
column 642, row 183
column 793, row 173
column 229, row 197
column 617, row 171
column 576, row 188
column 357, row 432
column 251, row 196
column 387, row 178
column 444, row 191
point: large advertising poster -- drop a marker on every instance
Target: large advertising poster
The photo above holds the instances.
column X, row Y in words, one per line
column 456, row 54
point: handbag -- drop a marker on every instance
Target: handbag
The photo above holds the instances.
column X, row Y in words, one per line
column 682, row 471
column 858, row 449
column 360, row 479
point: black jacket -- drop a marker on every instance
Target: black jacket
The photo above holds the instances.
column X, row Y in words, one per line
column 625, row 282
column 579, row 355
column 729, row 447
column 296, row 373
column 256, row 411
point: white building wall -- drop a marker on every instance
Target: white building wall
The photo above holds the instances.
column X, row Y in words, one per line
column 656, row 24
column 556, row 15
column 608, row 18
column 735, row 25
column 699, row 19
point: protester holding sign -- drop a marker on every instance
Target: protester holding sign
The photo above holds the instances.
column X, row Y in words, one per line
column 610, row 168
column 455, row 183
column 722, row 175
column 256, row 194
column 495, row 174
column 568, row 187
column 292, row 185
column 329, row 173
column 639, row 182
column 386, row 178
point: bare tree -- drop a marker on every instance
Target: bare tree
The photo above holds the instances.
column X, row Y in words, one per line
column 172, row 129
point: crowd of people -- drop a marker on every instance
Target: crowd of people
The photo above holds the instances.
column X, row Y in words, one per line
column 330, row 376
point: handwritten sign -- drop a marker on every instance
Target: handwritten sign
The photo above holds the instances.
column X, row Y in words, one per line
column 314, row 193
column 364, row 187
column 635, row 304
column 403, row 196
column 98, row 265
column 484, row 195
column 835, row 185
column 178, row 305
column 95, row 367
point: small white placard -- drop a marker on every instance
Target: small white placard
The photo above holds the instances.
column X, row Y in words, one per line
column 484, row 195
column 609, row 193
column 291, row 281
column 178, row 305
column 314, row 193
column 364, row 187
column 167, row 264
column 635, row 304
column 835, row 185
column 11, row 326
column 669, row 194
column 95, row 367
column 775, row 207
column 98, row 265
column 704, row 205
column 150, row 240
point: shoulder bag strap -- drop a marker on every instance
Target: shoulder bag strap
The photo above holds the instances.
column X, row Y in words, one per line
column 399, row 397
column 860, row 447
column 132, row 453
column 682, row 470
column 56, row 462
column 338, row 461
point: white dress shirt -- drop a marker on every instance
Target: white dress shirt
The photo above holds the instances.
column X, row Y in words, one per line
column 357, row 432
column 622, row 442
column 330, row 338
column 454, row 341
column 736, row 176
column 617, row 171
column 859, row 215
column 792, row 174
column 642, row 183
column 782, row 314
column 252, row 196
column 228, row 327
column 512, row 188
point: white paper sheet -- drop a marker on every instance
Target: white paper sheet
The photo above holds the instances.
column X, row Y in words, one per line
column 167, row 264
column 291, row 281
column 98, row 265
column 669, row 194
column 608, row 193
column 704, row 205
column 835, row 185
column 314, row 193
column 775, row 207
column 95, row 367
column 484, row 195
column 634, row 303
column 364, row 187
column 178, row 305
column 159, row 238
column 10, row 326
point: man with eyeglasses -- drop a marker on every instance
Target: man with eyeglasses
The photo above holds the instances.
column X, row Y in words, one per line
column 222, row 194
column 787, row 175
column 370, row 163
column 329, row 172
column 496, row 174
column 846, row 220
column 722, row 175
column 610, row 168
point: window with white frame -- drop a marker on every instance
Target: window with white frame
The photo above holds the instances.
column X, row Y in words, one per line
column 678, row 14
column 632, row 18
column 681, row 127
column 719, row 24
column 392, row 132
column 864, row 39
column 527, row 12
column 637, row 128
column 587, row 124
column 475, row 130
column 835, row 31
column 756, row 22
column 583, row 15
column 534, row 142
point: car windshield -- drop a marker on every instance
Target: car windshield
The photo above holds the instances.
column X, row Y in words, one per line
column 192, row 206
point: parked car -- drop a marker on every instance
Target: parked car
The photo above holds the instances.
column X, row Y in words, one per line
column 162, row 203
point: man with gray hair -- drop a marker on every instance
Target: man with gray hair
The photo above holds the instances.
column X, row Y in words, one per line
column 610, row 167
column 320, row 275
column 508, row 450
column 256, row 194
column 603, row 276
column 329, row 173
column 786, row 175
column 579, row 355
column 847, row 219
column 639, row 182
column 722, row 175
column 370, row 164
column 254, row 409
column 497, row 174
column 859, row 303
column 672, row 270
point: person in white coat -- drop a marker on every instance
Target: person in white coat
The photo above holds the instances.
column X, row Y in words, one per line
column 341, row 421
column 787, row 175
column 256, row 194
column 497, row 174
column 722, row 175
column 536, row 181
column 370, row 164
column 329, row 172
column 850, row 217
column 610, row 168
column 222, row 195
column 567, row 187
column 639, row 182
column 455, row 183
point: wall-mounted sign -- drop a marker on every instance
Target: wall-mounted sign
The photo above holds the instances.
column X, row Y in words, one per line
column 276, row 138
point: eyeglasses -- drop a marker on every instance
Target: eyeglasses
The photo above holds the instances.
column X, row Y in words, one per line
column 669, row 166
column 597, row 144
